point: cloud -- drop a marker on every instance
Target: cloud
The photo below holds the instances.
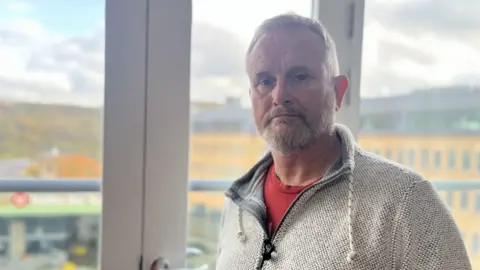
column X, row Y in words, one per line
column 217, row 63
column 440, row 18
column 407, row 44
column 38, row 66
column 412, row 44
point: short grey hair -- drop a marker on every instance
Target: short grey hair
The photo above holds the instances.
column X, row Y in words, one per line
column 292, row 20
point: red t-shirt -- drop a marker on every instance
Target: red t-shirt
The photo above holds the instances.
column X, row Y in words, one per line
column 278, row 197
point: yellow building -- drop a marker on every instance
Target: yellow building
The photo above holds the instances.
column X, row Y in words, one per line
column 436, row 133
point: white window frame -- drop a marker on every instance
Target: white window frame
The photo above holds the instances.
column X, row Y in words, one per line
column 167, row 114
column 124, row 133
column 344, row 19
column 167, row 132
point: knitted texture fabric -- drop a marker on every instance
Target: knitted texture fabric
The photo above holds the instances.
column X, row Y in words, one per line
column 367, row 213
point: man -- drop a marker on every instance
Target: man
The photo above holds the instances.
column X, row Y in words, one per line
column 317, row 200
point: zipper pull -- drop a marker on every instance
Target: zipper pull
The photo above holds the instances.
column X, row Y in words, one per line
column 268, row 249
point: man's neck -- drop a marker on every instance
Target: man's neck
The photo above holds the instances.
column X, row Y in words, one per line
column 307, row 165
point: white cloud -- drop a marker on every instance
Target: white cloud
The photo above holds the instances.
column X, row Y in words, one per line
column 396, row 62
column 41, row 66
column 26, row 26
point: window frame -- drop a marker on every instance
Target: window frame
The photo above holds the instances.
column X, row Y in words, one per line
column 124, row 134
column 346, row 28
column 167, row 144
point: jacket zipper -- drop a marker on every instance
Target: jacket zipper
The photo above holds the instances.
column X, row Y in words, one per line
column 268, row 247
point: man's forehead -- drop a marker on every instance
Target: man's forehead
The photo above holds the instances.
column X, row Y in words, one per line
column 283, row 49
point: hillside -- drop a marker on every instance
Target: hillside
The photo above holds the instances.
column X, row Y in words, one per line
column 28, row 130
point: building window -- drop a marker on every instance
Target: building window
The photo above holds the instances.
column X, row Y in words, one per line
column 411, row 158
column 425, row 159
column 5, row 223
column 198, row 210
column 437, row 160
column 466, row 161
column 477, row 202
column 216, row 216
column 32, row 224
column 476, row 244
column 478, row 161
column 451, row 159
column 400, row 156
column 464, row 200
column 54, row 225
column 449, row 198
column 388, row 154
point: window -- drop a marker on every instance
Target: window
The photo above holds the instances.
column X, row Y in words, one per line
column 388, row 154
column 476, row 244
column 477, row 202
column 216, row 216
column 4, row 230
column 425, row 158
column 412, row 96
column 449, row 198
column 198, row 210
column 478, row 162
column 464, row 200
column 51, row 107
column 400, row 156
column 377, row 122
column 52, row 96
column 451, row 160
column 411, row 158
column 466, row 160
column 437, row 159
column 439, row 113
column 55, row 225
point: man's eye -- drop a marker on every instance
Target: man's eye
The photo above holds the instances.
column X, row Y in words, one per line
column 266, row 82
column 301, row 77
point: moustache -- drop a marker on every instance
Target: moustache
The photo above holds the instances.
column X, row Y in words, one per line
column 282, row 111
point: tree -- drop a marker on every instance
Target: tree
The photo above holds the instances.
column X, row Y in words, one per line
column 65, row 166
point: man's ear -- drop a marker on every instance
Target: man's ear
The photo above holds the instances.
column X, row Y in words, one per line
column 341, row 87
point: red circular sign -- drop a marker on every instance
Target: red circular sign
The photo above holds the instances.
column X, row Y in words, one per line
column 20, row 199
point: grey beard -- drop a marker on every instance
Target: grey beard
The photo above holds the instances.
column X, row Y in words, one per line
column 299, row 137
column 291, row 141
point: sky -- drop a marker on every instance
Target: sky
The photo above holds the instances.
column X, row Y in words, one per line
column 52, row 51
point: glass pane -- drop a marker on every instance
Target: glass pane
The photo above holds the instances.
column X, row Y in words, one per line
column 224, row 143
column 424, row 70
column 51, row 103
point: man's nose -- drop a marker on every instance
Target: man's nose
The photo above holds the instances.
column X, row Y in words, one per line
column 281, row 94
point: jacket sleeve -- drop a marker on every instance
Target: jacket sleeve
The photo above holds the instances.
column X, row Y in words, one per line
column 425, row 235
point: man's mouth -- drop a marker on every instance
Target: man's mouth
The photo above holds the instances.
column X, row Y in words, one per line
column 285, row 115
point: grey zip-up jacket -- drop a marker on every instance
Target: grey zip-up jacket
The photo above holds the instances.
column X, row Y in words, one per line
column 366, row 213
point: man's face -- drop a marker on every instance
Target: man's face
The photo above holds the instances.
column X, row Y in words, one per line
column 293, row 97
